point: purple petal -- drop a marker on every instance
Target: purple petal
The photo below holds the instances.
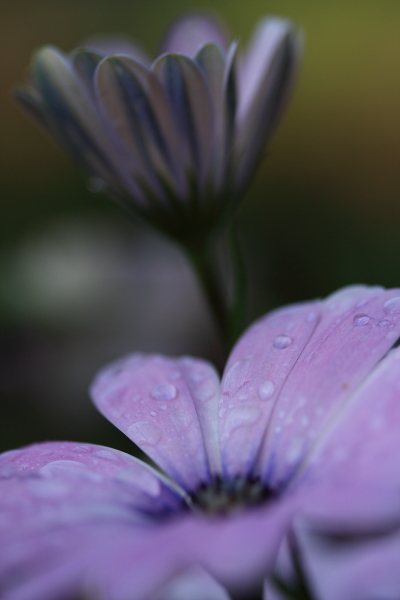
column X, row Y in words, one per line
column 193, row 30
column 137, row 112
column 359, row 452
column 266, row 77
column 168, row 407
column 255, row 373
column 357, row 327
column 191, row 105
column 61, row 483
column 356, row 570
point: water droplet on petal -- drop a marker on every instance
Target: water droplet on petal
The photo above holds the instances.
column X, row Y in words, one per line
column 153, row 413
column 392, row 306
column 106, row 454
column 164, row 391
column 266, row 390
column 384, row 323
column 361, row 319
column 311, row 317
column 282, row 341
column 144, row 433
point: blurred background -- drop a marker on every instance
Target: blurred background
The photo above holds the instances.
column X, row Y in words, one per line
column 81, row 284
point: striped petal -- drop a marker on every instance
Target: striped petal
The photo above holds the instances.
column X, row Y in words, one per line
column 190, row 102
column 168, row 407
column 356, row 328
column 266, row 77
column 191, row 31
column 253, row 379
column 74, row 117
column 137, row 112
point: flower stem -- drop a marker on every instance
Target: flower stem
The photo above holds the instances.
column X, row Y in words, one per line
column 228, row 315
column 203, row 260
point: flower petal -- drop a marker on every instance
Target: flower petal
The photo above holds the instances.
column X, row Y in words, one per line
column 266, row 77
column 61, row 483
column 368, row 567
column 137, row 112
column 357, row 327
column 190, row 102
column 255, row 373
column 74, row 118
column 360, row 450
column 192, row 30
column 168, row 407
column 193, row 584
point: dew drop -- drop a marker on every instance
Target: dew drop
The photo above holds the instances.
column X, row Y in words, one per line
column 384, row 323
column 266, row 390
column 392, row 306
column 153, row 413
column 240, row 417
column 282, row 341
column 106, row 454
column 311, row 317
column 361, row 319
column 163, row 392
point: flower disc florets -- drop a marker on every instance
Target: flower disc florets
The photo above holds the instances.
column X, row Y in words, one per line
column 176, row 140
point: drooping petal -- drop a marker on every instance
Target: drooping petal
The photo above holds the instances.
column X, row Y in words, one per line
column 257, row 369
column 190, row 102
column 357, row 327
column 192, row 30
column 266, row 77
column 168, row 407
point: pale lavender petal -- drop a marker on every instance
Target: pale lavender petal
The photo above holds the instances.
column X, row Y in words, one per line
column 367, row 568
column 136, row 110
column 358, row 326
column 192, row 584
column 162, row 404
column 61, row 483
column 191, row 105
column 266, row 77
column 193, row 30
column 356, row 464
column 238, row 551
column 257, row 369
column 116, row 45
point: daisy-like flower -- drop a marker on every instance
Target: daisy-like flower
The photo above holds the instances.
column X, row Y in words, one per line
column 304, row 424
column 176, row 140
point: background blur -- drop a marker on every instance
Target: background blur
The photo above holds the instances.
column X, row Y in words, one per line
column 80, row 284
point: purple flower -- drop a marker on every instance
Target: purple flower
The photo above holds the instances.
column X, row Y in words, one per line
column 176, row 140
column 303, row 427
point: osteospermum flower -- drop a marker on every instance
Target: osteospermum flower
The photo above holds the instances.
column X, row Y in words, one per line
column 304, row 424
column 178, row 139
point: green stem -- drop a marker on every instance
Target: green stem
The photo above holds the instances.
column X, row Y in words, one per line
column 238, row 310
column 203, row 261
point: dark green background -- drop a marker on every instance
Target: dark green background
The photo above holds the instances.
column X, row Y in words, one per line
column 80, row 284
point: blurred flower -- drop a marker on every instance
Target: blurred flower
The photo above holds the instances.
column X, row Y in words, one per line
column 305, row 424
column 177, row 140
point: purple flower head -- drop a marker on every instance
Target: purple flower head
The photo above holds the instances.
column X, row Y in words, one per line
column 176, row 140
column 304, row 427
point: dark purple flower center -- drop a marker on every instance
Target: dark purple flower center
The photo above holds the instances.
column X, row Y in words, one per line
column 225, row 496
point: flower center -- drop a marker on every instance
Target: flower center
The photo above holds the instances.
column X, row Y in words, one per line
column 224, row 496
